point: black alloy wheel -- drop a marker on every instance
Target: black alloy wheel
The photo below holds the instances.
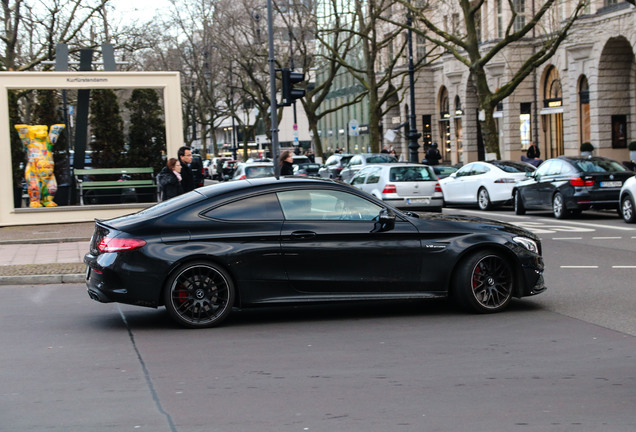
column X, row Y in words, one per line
column 558, row 206
column 483, row 199
column 520, row 209
column 484, row 282
column 627, row 209
column 199, row 295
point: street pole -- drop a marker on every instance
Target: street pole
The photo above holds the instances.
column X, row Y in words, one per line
column 234, row 155
column 273, row 106
column 413, row 135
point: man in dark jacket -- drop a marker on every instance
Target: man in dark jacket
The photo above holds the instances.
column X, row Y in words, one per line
column 432, row 155
column 185, row 157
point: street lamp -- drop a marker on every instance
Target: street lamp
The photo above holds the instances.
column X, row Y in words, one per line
column 413, row 135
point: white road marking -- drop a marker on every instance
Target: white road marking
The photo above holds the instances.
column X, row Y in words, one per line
column 580, row 267
column 624, row 267
column 567, row 238
column 593, row 225
column 606, row 238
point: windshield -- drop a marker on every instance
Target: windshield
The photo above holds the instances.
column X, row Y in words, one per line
column 599, row 165
column 259, row 171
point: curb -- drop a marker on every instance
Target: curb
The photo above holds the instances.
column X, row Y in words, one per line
column 42, row 279
column 46, row 240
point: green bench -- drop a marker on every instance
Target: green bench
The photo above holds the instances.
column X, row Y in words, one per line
column 85, row 181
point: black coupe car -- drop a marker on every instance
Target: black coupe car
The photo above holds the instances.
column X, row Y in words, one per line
column 569, row 185
column 297, row 240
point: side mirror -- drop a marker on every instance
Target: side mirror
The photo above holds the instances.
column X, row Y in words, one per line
column 453, row 175
column 386, row 221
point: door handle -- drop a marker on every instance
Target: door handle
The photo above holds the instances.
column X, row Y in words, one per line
column 303, row 235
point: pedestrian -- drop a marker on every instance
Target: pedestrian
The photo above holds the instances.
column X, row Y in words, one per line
column 433, row 155
column 169, row 179
column 385, row 149
column 286, row 163
column 533, row 155
column 185, row 159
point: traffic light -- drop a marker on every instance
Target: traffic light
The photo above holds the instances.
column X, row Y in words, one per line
column 290, row 93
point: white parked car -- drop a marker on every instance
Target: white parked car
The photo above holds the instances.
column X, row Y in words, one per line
column 485, row 184
column 405, row 186
column 627, row 201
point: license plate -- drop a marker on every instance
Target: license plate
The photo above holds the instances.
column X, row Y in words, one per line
column 614, row 184
column 418, row 201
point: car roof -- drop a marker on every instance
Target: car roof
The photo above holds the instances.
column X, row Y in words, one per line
column 226, row 187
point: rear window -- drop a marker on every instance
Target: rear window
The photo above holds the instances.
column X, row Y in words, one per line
column 171, row 205
column 381, row 159
column 513, row 167
column 408, row 174
column 599, row 165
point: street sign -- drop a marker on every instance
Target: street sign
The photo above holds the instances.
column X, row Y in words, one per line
column 353, row 127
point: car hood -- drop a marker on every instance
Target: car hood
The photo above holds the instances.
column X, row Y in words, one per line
column 450, row 223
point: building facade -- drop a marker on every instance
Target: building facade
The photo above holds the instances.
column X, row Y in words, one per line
column 585, row 93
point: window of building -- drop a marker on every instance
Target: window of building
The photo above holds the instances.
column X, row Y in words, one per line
column 584, row 110
column 420, row 47
column 520, row 9
column 500, row 26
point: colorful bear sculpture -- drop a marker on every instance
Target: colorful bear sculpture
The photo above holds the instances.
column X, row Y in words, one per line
column 38, row 173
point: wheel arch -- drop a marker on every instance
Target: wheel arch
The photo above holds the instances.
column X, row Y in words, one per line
column 510, row 256
column 200, row 257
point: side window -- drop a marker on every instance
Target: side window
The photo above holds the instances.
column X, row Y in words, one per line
column 480, row 169
column 359, row 177
column 320, row 204
column 464, row 171
column 544, row 168
column 374, row 175
column 262, row 207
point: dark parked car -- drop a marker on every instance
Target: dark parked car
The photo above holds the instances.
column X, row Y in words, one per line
column 569, row 185
column 334, row 165
column 264, row 241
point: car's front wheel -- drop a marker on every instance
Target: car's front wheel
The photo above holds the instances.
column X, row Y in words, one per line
column 627, row 209
column 483, row 199
column 199, row 294
column 484, row 282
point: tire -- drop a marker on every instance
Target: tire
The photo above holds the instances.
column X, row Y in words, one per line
column 520, row 209
column 558, row 206
column 483, row 199
column 628, row 212
column 483, row 282
column 199, row 294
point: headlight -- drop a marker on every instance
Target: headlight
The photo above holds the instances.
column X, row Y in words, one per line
column 531, row 245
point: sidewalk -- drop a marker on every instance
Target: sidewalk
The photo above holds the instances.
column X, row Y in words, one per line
column 42, row 254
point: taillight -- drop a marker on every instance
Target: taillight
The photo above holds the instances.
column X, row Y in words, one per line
column 505, row 180
column 114, row 244
column 389, row 188
column 438, row 188
column 581, row 182
column 242, row 177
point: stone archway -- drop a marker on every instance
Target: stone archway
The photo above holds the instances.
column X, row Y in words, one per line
column 615, row 98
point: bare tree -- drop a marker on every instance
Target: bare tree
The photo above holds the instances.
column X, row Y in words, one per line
column 30, row 34
column 466, row 46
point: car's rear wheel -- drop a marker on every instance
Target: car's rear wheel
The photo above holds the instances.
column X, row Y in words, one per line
column 484, row 282
column 627, row 209
column 483, row 199
column 520, row 209
column 558, row 206
column 199, row 294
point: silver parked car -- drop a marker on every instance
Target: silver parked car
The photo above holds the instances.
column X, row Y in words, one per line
column 359, row 161
column 402, row 185
column 253, row 170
